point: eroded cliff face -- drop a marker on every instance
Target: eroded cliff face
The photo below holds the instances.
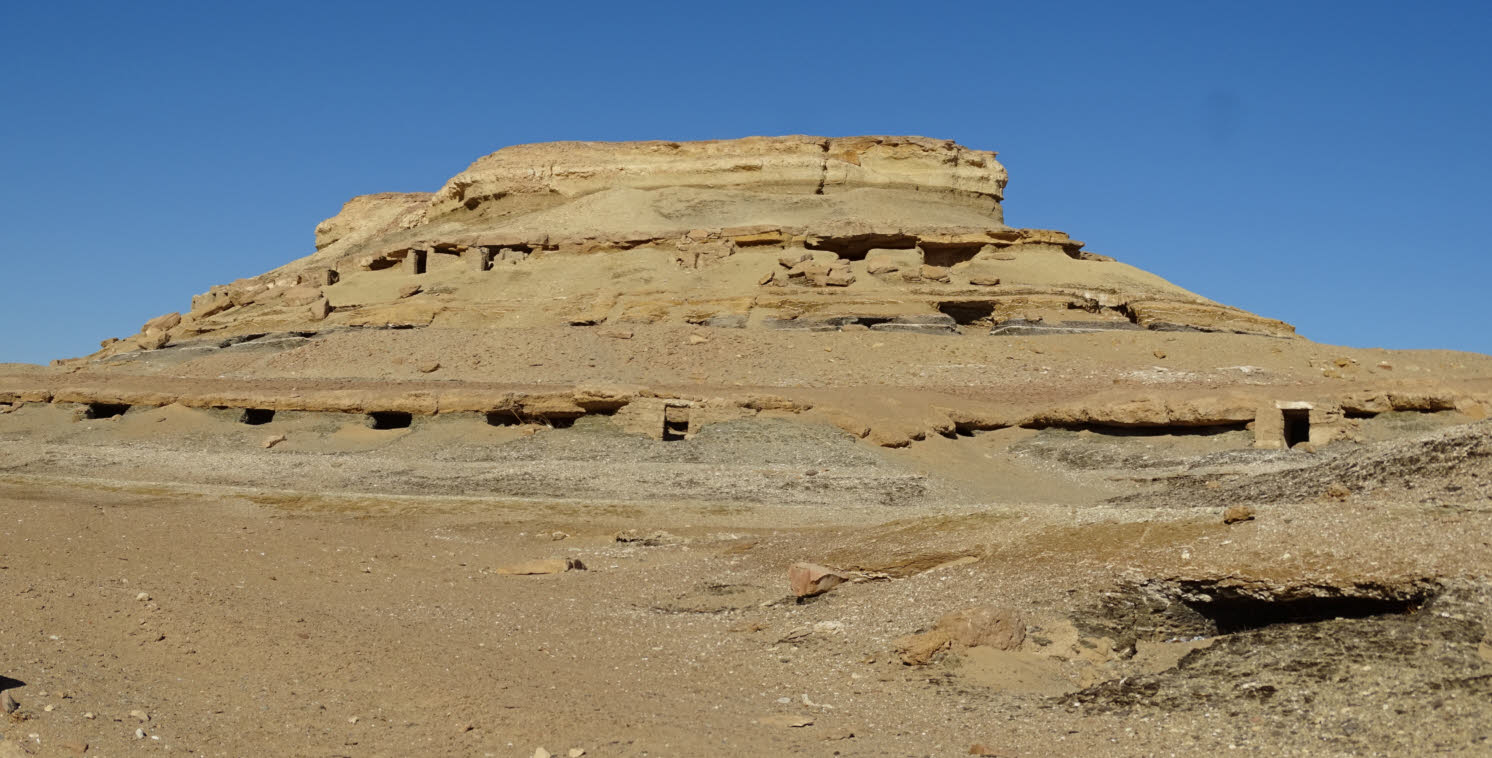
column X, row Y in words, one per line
column 805, row 233
column 565, row 171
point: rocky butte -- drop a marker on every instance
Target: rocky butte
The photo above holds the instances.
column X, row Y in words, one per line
column 760, row 243
column 750, row 447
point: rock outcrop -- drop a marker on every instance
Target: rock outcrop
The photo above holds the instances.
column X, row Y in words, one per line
column 766, row 232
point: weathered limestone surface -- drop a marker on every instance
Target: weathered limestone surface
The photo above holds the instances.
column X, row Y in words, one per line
column 798, row 232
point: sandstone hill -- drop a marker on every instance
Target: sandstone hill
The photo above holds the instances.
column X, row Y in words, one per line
column 767, row 274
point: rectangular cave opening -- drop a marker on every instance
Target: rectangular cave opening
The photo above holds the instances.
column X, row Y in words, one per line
column 855, row 247
column 256, row 416
column 1297, row 426
column 675, row 424
column 966, row 312
column 415, row 262
column 105, row 410
column 504, row 418
column 949, row 255
column 390, row 420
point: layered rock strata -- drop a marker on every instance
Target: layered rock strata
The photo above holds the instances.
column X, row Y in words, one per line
column 892, row 233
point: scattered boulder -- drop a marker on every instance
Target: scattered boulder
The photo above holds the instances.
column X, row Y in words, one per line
column 409, row 290
column 985, row 626
column 984, row 281
column 888, row 261
column 1236, row 513
column 921, row 649
column 163, row 323
column 320, row 310
column 153, row 340
column 934, row 274
column 810, row 579
column 650, row 539
column 980, row 626
column 839, row 278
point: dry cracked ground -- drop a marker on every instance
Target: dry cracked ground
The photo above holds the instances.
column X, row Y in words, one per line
column 171, row 586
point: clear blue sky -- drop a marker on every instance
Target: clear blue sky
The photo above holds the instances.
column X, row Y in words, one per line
column 1327, row 163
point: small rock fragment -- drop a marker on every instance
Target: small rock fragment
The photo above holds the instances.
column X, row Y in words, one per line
column 143, row 596
column 1237, row 513
column 75, row 746
column 429, row 367
column 270, row 442
column 576, row 752
column 547, row 566
column 409, row 290
column 139, row 734
column 984, row 281
column 649, row 539
column 8, row 703
column 979, row 748
column 698, row 339
column 789, row 720
column 542, row 753
column 140, row 716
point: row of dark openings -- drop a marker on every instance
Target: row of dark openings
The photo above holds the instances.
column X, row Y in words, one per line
column 675, row 420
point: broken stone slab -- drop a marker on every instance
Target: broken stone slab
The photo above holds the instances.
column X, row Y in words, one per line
column 1019, row 327
column 162, row 323
column 802, row 324
column 931, row 323
column 731, row 321
column 810, row 579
